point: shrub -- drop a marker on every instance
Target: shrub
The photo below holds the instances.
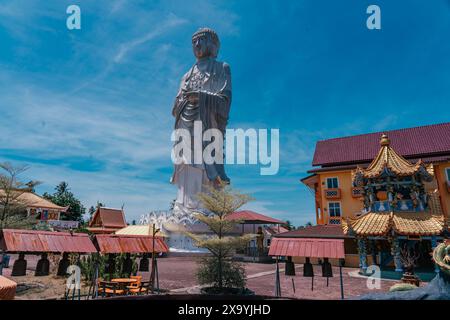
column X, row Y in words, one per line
column 233, row 273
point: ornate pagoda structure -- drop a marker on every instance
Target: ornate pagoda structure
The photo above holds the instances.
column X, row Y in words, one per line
column 398, row 212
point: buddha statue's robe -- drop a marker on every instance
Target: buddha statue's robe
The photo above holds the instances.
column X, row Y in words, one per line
column 212, row 80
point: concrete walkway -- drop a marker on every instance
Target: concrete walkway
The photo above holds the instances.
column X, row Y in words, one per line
column 194, row 289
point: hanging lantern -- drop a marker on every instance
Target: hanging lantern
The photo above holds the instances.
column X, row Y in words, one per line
column 63, row 265
column 20, row 266
column 144, row 263
column 289, row 269
column 43, row 266
column 308, row 270
column 327, row 270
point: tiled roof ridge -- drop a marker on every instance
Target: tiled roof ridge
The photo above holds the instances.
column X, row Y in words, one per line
column 415, row 142
column 384, row 131
column 109, row 208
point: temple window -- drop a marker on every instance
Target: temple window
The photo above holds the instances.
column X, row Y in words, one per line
column 447, row 171
column 334, row 209
column 332, row 183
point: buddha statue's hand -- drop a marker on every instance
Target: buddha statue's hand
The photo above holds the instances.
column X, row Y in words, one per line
column 192, row 96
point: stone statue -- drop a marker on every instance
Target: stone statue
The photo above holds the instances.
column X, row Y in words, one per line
column 204, row 96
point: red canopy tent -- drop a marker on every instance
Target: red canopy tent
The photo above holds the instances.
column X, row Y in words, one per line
column 251, row 217
column 35, row 241
column 115, row 243
column 308, row 248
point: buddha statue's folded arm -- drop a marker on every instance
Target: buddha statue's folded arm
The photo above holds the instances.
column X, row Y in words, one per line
column 180, row 100
column 219, row 102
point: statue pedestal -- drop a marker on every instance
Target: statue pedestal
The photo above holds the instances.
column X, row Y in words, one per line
column 175, row 223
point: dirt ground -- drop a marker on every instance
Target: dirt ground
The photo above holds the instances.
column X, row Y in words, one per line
column 177, row 275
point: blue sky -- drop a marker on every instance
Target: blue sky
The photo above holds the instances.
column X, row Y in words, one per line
column 92, row 106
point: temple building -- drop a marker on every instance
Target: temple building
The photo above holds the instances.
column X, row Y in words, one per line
column 35, row 205
column 107, row 221
column 389, row 192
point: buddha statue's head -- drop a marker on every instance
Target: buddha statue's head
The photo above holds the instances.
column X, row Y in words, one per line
column 205, row 43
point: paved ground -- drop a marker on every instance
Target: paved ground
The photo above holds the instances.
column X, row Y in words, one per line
column 177, row 274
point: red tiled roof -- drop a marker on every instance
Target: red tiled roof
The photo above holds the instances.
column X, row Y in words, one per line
column 109, row 218
column 276, row 229
column 45, row 241
column 432, row 159
column 32, row 200
column 424, row 141
column 253, row 217
column 129, row 244
column 319, row 231
column 307, row 247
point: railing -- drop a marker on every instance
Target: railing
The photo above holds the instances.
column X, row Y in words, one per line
column 402, row 205
column 357, row 192
column 334, row 193
column 334, row 220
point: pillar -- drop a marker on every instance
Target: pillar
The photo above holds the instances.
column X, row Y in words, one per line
column 362, row 255
column 433, row 246
column 3, row 254
column 396, row 253
column 373, row 246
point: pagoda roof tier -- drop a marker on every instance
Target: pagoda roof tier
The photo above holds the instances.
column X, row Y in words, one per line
column 389, row 160
column 370, row 224
column 402, row 223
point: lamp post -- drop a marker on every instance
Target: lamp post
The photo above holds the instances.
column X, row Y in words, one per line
column 152, row 275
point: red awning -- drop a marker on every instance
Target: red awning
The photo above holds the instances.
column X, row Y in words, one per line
column 307, row 247
column 129, row 244
column 45, row 241
column 250, row 217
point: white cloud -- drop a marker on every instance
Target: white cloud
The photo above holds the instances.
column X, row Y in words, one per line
column 171, row 21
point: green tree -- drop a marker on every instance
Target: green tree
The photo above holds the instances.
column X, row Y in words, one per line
column 289, row 225
column 219, row 269
column 92, row 209
column 65, row 198
column 13, row 210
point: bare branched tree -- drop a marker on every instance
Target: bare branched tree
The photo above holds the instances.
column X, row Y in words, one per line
column 12, row 208
column 409, row 259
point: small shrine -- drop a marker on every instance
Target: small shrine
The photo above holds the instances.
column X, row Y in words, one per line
column 400, row 215
column 107, row 221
